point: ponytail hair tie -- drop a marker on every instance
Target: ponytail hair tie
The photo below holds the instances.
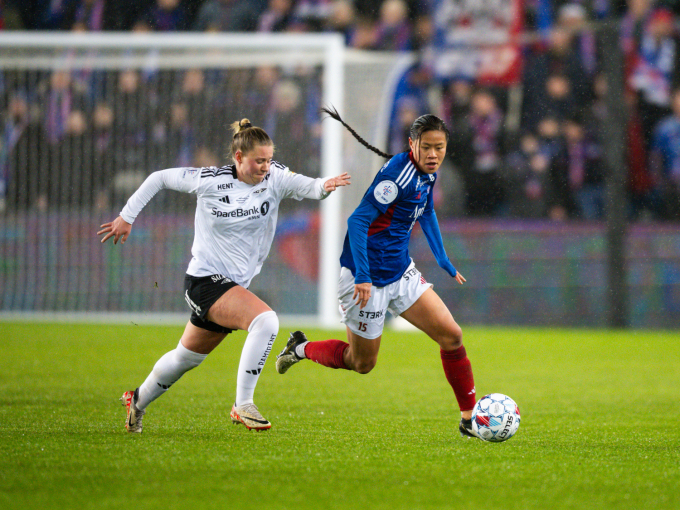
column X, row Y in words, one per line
column 246, row 125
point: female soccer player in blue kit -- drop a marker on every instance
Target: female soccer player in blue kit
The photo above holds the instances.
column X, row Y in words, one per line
column 378, row 275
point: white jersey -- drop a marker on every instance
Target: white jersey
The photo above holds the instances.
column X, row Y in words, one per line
column 235, row 222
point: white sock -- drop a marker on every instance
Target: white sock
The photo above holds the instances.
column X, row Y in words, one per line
column 261, row 335
column 300, row 350
column 166, row 372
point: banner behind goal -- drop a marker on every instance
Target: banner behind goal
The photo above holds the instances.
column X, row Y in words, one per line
column 87, row 118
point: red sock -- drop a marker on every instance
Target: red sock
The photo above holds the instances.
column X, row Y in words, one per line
column 327, row 353
column 458, row 372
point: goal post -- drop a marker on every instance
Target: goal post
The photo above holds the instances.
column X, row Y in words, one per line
column 56, row 81
column 331, row 157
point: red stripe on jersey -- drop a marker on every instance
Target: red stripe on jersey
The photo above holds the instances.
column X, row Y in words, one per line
column 382, row 222
column 410, row 156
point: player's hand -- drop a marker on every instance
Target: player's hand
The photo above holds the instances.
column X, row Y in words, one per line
column 118, row 229
column 335, row 182
column 459, row 278
column 362, row 293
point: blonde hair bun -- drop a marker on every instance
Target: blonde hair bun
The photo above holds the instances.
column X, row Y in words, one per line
column 240, row 126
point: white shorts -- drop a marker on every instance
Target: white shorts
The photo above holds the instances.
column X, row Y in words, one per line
column 396, row 297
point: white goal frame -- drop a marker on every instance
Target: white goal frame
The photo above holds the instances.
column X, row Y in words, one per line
column 327, row 50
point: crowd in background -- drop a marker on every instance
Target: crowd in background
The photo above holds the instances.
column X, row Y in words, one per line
column 541, row 159
column 103, row 131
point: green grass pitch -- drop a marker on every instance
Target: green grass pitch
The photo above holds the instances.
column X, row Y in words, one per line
column 600, row 425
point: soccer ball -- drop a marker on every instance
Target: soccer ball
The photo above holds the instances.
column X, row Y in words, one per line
column 495, row 417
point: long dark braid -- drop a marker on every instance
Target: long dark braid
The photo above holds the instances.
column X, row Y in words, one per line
column 427, row 122
column 335, row 115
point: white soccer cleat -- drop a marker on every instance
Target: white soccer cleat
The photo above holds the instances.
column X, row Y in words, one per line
column 288, row 356
column 133, row 421
column 250, row 416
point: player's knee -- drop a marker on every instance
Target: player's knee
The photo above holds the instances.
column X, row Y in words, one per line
column 364, row 366
column 453, row 339
column 265, row 322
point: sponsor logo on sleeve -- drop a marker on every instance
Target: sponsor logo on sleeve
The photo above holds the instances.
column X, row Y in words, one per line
column 386, row 192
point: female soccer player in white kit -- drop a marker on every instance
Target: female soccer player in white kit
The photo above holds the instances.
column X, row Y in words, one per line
column 235, row 222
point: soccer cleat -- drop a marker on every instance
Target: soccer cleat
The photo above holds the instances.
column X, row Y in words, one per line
column 133, row 421
column 249, row 415
column 465, row 428
column 288, row 356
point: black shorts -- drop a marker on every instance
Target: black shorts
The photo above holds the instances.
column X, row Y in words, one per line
column 200, row 293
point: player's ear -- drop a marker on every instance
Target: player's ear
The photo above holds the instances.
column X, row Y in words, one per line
column 412, row 145
column 238, row 156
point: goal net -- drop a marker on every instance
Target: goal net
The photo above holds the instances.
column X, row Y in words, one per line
column 87, row 119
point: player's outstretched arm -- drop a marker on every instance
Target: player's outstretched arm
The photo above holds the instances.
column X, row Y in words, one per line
column 118, row 229
column 335, row 182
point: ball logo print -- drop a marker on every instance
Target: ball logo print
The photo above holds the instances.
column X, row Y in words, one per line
column 385, row 192
column 495, row 418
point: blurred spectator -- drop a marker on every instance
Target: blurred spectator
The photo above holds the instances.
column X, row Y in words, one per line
column 313, row 13
column 573, row 18
column 422, row 34
column 23, row 154
column 93, row 15
column 365, row 36
column 131, row 117
column 528, row 179
column 483, row 185
column 342, row 19
column 665, row 159
column 227, row 16
column 456, row 107
column 560, row 202
column 52, row 14
column 205, row 157
column 199, row 99
column 393, row 29
column 558, row 94
column 557, row 100
column 655, row 69
column 288, row 116
column 181, row 139
column 583, row 169
column 73, row 157
column 409, row 109
column 167, row 16
column 102, row 152
column 60, row 99
column 558, row 59
column 277, row 17
column 258, row 97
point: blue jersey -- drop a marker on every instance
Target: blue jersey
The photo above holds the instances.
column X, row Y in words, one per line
column 379, row 230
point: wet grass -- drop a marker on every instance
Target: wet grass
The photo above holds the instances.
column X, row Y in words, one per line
column 599, row 425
